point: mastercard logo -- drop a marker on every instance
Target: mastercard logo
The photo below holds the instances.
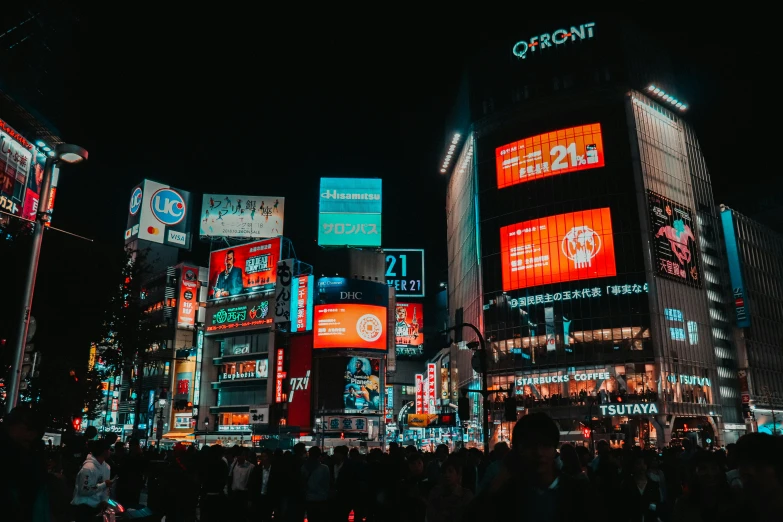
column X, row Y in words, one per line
column 153, row 231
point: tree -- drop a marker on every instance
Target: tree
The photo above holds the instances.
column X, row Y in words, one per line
column 64, row 393
column 128, row 329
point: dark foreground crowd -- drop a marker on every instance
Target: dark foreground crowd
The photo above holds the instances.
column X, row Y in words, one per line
column 535, row 479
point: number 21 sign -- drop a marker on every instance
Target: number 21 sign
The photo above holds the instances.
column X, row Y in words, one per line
column 405, row 271
column 550, row 154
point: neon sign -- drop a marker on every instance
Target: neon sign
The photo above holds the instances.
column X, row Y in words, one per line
column 569, row 295
column 556, row 37
column 642, row 408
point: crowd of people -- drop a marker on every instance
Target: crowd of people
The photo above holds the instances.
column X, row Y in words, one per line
column 536, row 478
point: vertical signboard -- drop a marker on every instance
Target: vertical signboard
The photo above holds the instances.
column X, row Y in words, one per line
column 549, row 318
column 187, row 304
column 15, row 162
column 285, row 274
column 250, row 217
column 405, row 271
column 407, row 329
column 350, row 212
column 673, row 240
column 431, row 386
column 298, row 377
column 735, row 269
column 419, row 393
column 279, row 376
column 302, row 304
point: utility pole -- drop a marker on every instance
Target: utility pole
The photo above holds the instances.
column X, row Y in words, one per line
column 485, row 392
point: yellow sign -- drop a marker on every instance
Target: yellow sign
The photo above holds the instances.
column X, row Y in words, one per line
column 421, row 420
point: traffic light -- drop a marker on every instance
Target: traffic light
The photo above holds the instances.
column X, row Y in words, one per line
column 586, row 432
column 342, row 436
column 510, row 409
column 463, row 408
column 77, row 423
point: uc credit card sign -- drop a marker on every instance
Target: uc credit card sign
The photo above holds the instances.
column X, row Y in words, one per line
column 349, row 212
column 160, row 214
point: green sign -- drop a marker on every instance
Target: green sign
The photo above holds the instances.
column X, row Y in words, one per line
column 339, row 229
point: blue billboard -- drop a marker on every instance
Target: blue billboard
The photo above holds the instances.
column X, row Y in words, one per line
column 735, row 271
column 350, row 212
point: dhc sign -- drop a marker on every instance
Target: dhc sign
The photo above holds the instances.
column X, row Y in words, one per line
column 642, row 408
column 556, row 37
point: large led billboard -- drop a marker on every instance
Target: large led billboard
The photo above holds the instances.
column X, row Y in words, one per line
column 187, row 301
column 251, row 217
column 673, row 240
column 549, row 154
column 362, row 391
column 735, row 270
column 409, row 320
column 160, row 214
column 349, row 212
column 333, row 290
column 554, row 249
column 243, row 269
column 350, row 326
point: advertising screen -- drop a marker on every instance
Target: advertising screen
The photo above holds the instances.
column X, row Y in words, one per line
column 298, row 379
column 405, row 271
column 243, row 269
column 673, row 240
column 735, row 270
column 251, row 217
column 362, row 392
column 160, row 214
column 258, row 369
column 238, row 317
column 347, row 326
column 550, row 154
column 409, row 319
column 565, row 247
column 334, row 290
column 187, row 304
column 349, row 212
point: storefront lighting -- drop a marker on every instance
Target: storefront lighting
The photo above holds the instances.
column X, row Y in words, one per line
column 667, row 97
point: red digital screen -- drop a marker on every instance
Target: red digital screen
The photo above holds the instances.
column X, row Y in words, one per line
column 298, row 380
column 550, row 154
column 565, row 247
column 243, row 269
column 345, row 326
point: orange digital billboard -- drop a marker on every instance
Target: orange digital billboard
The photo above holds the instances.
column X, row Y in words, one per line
column 565, row 247
column 349, row 326
column 550, row 154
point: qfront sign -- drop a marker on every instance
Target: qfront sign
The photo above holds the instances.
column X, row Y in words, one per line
column 555, row 38
column 639, row 409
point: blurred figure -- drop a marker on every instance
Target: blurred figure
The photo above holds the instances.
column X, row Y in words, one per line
column 92, row 483
column 23, row 479
column 732, row 471
column 133, row 468
column 571, row 463
column 238, row 481
column 414, row 490
column 315, row 478
column 433, row 468
column 641, row 496
column 266, row 487
column 213, row 480
column 708, row 497
column 530, row 486
column 448, row 500
column 760, row 460
column 493, row 470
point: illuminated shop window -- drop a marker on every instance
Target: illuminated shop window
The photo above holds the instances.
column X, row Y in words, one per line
column 245, row 370
column 693, row 332
column 677, row 334
column 672, row 314
column 234, row 419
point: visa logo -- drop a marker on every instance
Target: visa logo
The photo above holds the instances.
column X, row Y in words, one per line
column 177, row 237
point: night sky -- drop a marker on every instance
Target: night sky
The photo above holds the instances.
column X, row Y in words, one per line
column 234, row 104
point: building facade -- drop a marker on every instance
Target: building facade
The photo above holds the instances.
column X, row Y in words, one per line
column 755, row 259
column 576, row 207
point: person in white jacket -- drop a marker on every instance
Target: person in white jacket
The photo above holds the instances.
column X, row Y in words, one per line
column 93, row 485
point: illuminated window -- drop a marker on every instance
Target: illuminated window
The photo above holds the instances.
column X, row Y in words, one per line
column 677, row 334
column 234, row 419
column 693, row 332
column 672, row 314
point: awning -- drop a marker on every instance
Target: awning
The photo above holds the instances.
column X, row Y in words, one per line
column 178, row 436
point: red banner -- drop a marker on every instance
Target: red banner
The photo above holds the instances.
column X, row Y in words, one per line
column 419, row 393
column 279, row 376
column 431, row 384
column 298, row 378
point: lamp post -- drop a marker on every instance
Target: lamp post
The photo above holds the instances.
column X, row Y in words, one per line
column 62, row 153
column 162, row 404
column 482, row 353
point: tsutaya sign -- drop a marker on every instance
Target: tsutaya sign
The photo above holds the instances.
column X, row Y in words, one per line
column 689, row 379
column 557, row 37
column 641, row 408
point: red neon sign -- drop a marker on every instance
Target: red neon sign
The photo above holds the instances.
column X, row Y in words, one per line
column 280, row 376
column 419, row 393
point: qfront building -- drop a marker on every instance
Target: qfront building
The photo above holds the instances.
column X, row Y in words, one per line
column 583, row 241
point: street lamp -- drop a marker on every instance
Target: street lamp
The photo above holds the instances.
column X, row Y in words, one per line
column 162, row 404
column 65, row 153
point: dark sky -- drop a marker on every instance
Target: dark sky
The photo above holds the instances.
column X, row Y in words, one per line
column 260, row 105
